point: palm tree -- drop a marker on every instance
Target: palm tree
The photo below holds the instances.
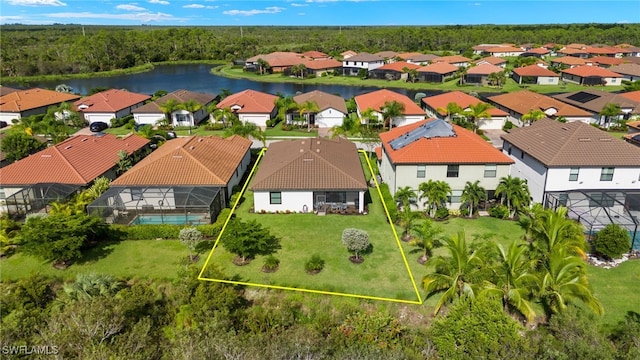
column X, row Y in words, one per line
column 307, row 108
column 370, row 117
column 552, row 231
column 406, row 220
column 390, row 110
column 426, row 238
column 514, row 282
column 350, row 126
column 260, row 135
column 411, row 74
column 302, row 68
column 284, row 105
column 472, row 194
column 533, row 115
column 435, row 193
column 477, row 112
column 451, row 110
column 610, row 110
column 92, row 285
column 124, row 162
column 146, row 131
column 167, row 108
column 455, row 276
column 192, row 107
column 514, row 193
column 263, row 66
column 405, row 197
column 225, row 115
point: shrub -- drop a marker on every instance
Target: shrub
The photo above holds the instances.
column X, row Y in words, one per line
column 213, row 127
column 122, row 121
column 269, row 123
column 210, row 230
column 442, row 213
column 314, row 264
column 286, row 127
column 464, row 211
column 148, row 232
column 612, row 241
column 235, row 197
column 499, row 211
column 355, row 240
column 390, row 203
column 508, row 125
column 271, row 263
column 455, row 212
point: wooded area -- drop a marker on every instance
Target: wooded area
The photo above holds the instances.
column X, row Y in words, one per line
column 28, row 50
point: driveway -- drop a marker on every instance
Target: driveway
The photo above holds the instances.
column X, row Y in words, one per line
column 494, row 136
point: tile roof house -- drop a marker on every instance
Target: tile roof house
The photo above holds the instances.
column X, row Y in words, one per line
column 457, row 60
column 595, row 100
column 319, row 67
column 568, row 61
column 24, row 103
column 603, row 51
column 4, row 90
column 435, row 106
column 521, row 102
column 193, row 161
column 422, row 59
column 304, row 175
column 393, row 71
column 333, row 108
column 76, row 161
column 630, row 72
column 251, row 106
column 278, row 61
column 315, row 55
column 493, row 60
column 347, row 54
column 480, row 49
column 352, row 65
column 534, row 74
column 537, row 52
column 632, row 95
column 436, row 150
column 151, row 113
column 409, row 55
column 390, row 56
column 437, row 72
column 606, row 61
column 376, row 101
column 480, row 74
column 109, row 104
column 591, row 75
column 575, row 156
column 574, row 52
column 502, row 51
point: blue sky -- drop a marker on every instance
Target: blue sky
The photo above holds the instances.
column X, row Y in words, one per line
column 316, row 12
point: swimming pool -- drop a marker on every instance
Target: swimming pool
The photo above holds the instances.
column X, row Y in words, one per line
column 174, row 219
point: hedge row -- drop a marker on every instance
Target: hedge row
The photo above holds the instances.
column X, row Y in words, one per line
column 392, row 207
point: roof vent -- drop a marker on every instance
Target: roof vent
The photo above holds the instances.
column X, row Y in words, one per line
column 85, row 139
column 192, row 147
column 317, row 150
column 200, row 140
column 301, row 150
column 584, row 139
column 46, row 156
column 177, row 156
column 309, row 159
column 605, row 139
column 67, row 147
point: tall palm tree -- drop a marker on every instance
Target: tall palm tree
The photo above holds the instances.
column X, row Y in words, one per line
column 167, row 108
column 426, row 238
column 263, row 66
column 472, row 194
column 477, row 112
column 390, row 110
column 370, row 117
column 284, row 105
column 533, row 115
column 225, row 115
column 350, row 126
column 192, row 107
column 405, row 197
column 451, row 110
column 406, row 220
column 552, row 231
column 435, row 193
column 514, row 193
column 455, row 276
column 306, row 109
column 610, row 110
column 513, row 283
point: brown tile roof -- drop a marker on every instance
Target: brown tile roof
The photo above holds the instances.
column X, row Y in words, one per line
column 452, row 59
column 539, row 51
column 587, row 70
column 110, row 101
column 493, row 60
column 463, row 100
column 250, row 101
column 626, row 69
column 23, row 100
column 387, row 54
column 425, row 58
column 633, row 95
column 4, row 90
column 572, row 144
column 634, row 124
column 594, row 100
column 569, row 60
column 398, row 66
column 463, row 148
column 602, row 50
column 179, row 95
column 192, row 160
column 571, row 51
column 321, row 64
column 534, row 70
column 310, row 164
column 409, row 55
column 439, row 68
column 348, row 53
column 77, row 160
column 278, row 58
column 501, row 49
column 375, row 100
column 524, row 101
column 484, row 69
column 315, row 54
column 323, row 100
column 366, row 57
column 576, row 46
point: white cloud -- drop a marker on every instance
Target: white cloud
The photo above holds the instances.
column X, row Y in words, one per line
column 199, row 6
column 301, row 14
column 130, row 7
column 161, row 2
column 37, row 3
column 268, row 10
column 143, row 17
column 297, row 5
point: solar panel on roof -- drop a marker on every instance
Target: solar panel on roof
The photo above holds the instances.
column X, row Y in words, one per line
column 432, row 129
column 582, row 97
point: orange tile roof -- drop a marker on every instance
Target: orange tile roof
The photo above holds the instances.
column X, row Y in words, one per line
column 278, row 58
column 464, row 148
column 250, row 101
column 601, row 50
column 586, row 70
column 398, row 66
column 315, row 54
column 493, row 60
column 463, row 100
column 524, row 101
column 534, row 70
column 633, row 95
column 576, row 46
column 539, row 51
column 439, row 68
column 607, row 60
column 23, row 100
column 321, row 64
column 634, row 124
column 569, row 60
column 192, row 160
column 375, row 100
column 501, row 49
column 484, row 69
column 348, row 53
column 572, row 51
column 452, row 59
column 409, row 55
column 77, row 160
column 110, row 101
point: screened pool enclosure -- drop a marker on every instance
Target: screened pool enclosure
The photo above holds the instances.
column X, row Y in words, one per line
column 135, row 205
column 37, row 197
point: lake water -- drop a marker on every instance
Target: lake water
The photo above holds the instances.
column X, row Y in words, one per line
column 198, row 78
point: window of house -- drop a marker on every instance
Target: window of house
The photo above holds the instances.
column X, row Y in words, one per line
column 455, row 196
column 453, row 170
column 182, row 117
column 601, row 199
column 136, row 194
column 606, row 174
column 573, row 174
column 422, row 171
column 562, row 199
column 490, row 170
column 275, row 198
column 521, row 154
column 509, row 150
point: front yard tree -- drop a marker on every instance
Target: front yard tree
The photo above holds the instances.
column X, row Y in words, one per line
column 426, row 238
column 435, row 193
column 472, row 194
column 190, row 237
column 609, row 111
column 405, row 197
column 612, row 241
column 18, row 145
column 248, row 239
column 514, row 193
column 533, row 115
column 306, row 109
column 355, row 240
column 167, row 108
column 192, row 107
column 390, row 110
column 226, row 116
column 476, row 112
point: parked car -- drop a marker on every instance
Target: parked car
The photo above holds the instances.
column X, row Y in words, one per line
column 98, row 126
column 3, row 124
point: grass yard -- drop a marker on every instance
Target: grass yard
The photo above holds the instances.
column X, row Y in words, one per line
column 617, row 289
column 152, row 259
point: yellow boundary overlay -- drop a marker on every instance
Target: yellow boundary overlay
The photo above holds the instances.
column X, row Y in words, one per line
column 395, row 234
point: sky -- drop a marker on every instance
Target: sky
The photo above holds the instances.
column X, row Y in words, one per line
column 316, row 12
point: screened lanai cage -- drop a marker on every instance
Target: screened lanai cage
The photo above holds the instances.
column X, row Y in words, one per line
column 137, row 205
column 597, row 209
column 37, row 197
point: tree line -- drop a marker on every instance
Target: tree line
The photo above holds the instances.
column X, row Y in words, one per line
column 28, row 50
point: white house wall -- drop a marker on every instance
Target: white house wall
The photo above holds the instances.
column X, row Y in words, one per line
column 387, row 172
column 589, row 179
column 407, row 119
column 9, row 117
column 239, row 173
column 95, row 117
column 257, row 119
column 329, row 118
column 527, row 168
column 291, row 200
column 150, row 119
column 548, row 80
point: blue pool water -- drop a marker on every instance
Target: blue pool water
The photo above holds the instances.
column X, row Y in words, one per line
column 169, row 219
column 636, row 242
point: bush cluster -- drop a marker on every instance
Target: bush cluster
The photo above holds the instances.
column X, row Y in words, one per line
column 499, row 211
column 122, row 121
column 392, row 207
column 508, row 125
column 148, row 232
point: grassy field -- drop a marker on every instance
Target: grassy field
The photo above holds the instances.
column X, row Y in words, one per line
column 617, row 289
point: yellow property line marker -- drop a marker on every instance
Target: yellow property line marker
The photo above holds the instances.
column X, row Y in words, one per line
column 395, row 234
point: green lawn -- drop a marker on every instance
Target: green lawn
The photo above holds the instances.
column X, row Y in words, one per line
column 617, row 289
column 273, row 132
